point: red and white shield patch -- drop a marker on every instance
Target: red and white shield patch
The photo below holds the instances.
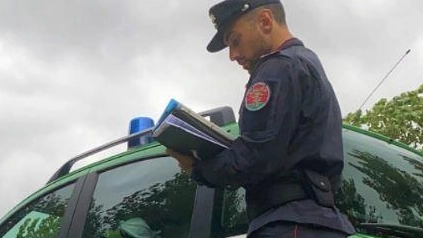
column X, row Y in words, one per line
column 257, row 96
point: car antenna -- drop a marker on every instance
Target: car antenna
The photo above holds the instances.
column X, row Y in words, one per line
column 384, row 78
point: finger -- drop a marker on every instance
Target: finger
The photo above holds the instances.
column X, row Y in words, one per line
column 169, row 151
column 174, row 153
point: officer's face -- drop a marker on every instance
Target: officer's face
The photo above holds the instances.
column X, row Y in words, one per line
column 246, row 42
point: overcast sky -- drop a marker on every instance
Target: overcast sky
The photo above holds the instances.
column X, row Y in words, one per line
column 74, row 73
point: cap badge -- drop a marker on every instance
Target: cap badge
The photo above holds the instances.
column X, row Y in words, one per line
column 245, row 7
column 213, row 19
column 257, row 96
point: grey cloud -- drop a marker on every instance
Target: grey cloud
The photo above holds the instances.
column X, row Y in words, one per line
column 73, row 73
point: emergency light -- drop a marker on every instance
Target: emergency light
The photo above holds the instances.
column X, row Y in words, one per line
column 140, row 124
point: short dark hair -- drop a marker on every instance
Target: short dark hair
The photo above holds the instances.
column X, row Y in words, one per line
column 277, row 10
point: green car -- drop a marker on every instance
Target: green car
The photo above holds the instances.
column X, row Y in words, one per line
column 143, row 193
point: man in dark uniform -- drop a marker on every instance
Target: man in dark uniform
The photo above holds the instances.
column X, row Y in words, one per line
column 289, row 157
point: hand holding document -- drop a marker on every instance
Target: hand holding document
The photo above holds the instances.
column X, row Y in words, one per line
column 186, row 132
column 185, row 162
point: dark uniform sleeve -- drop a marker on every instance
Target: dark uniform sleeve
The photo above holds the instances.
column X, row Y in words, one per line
column 266, row 132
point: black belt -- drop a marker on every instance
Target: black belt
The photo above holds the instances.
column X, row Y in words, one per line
column 306, row 185
column 262, row 199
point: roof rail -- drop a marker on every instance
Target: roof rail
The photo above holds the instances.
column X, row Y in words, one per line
column 220, row 116
column 65, row 169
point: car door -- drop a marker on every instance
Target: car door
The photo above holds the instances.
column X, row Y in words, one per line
column 149, row 196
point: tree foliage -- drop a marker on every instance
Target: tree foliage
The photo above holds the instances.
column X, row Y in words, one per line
column 400, row 118
column 40, row 228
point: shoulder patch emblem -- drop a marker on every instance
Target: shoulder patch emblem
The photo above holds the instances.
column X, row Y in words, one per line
column 257, row 96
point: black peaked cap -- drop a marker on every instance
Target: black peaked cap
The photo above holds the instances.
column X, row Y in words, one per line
column 223, row 13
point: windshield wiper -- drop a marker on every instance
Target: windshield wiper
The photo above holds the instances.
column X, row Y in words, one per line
column 393, row 230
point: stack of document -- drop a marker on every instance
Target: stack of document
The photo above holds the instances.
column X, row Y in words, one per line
column 181, row 129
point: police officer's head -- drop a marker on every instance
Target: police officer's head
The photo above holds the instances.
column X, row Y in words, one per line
column 251, row 28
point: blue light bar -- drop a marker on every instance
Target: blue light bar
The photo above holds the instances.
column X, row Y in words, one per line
column 139, row 124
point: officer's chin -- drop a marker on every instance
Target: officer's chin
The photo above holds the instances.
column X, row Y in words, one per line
column 248, row 70
column 246, row 67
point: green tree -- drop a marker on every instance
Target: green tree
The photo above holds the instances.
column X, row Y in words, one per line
column 400, row 118
column 39, row 228
column 52, row 206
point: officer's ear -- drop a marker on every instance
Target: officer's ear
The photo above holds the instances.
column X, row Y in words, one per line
column 265, row 20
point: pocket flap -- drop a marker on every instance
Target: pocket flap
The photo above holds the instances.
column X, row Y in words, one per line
column 319, row 181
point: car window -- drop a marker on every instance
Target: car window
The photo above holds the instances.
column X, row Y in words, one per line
column 150, row 198
column 41, row 218
column 382, row 183
column 234, row 217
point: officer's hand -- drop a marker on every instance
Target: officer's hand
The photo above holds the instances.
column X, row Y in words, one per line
column 185, row 162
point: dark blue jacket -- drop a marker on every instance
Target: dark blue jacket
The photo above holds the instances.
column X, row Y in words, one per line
column 290, row 121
